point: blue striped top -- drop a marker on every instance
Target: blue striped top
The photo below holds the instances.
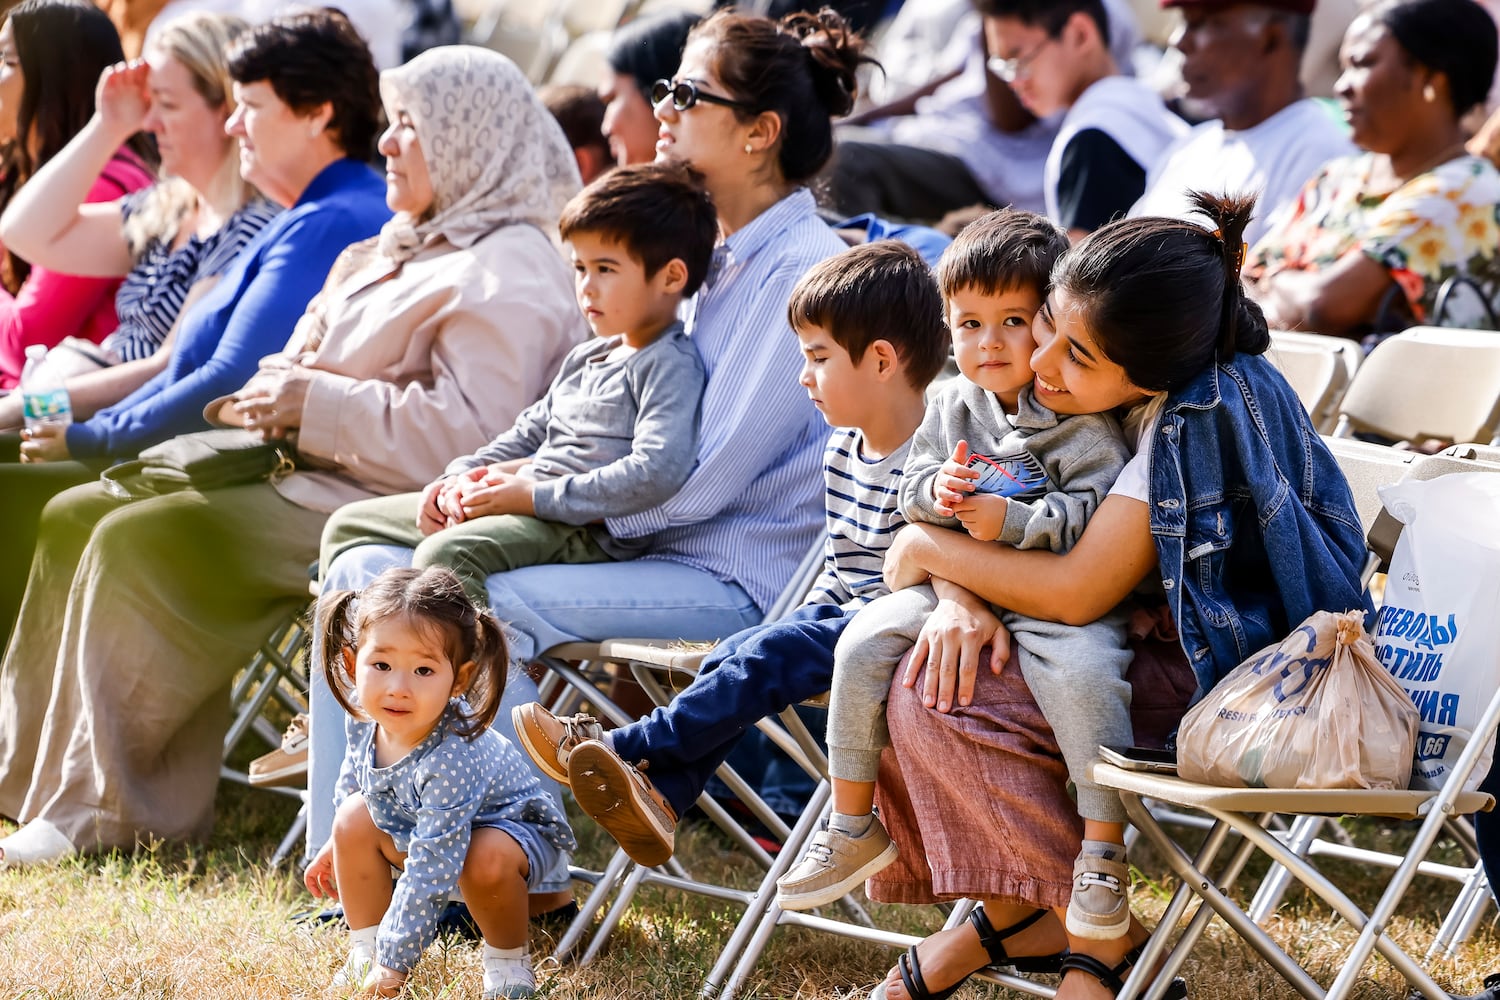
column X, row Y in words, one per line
column 152, row 293
column 863, row 516
column 751, row 507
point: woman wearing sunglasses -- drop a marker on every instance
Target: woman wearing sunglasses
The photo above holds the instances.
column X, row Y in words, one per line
column 750, row 108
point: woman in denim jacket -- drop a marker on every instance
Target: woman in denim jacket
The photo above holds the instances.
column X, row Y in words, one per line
column 1234, row 502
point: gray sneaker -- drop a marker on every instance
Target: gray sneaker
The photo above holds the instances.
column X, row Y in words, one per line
column 1099, row 909
column 834, row 865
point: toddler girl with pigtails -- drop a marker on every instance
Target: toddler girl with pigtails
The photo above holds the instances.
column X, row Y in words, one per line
column 426, row 786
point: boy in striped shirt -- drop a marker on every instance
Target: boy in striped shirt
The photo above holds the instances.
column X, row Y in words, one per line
column 870, row 322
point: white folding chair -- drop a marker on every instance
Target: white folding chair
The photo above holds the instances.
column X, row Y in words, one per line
column 276, row 678
column 1369, row 466
column 1427, row 382
column 1247, row 812
column 584, row 62
column 1319, row 368
column 650, row 660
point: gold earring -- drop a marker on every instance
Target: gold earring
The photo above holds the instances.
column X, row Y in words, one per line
column 1429, row 93
column 749, row 148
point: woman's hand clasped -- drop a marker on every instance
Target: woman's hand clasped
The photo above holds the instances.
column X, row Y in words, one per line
column 46, row 443
column 949, row 648
column 272, row 402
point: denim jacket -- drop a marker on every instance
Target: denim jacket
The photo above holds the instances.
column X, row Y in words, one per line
column 1254, row 523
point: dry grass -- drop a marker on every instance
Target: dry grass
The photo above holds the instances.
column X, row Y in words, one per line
column 216, row 922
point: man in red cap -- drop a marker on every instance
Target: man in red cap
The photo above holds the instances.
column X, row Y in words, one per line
column 1240, row 60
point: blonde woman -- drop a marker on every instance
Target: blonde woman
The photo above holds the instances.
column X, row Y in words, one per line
column 166, row 240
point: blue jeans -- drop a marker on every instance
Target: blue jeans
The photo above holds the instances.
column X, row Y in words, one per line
column 542, row 607
column 747, row 677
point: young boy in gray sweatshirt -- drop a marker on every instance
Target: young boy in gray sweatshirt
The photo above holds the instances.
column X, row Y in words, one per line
column 991, row 460
column 617, row 431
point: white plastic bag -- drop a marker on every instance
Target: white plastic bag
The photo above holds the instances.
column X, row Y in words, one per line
column 1438, row 631
column 1313, row 711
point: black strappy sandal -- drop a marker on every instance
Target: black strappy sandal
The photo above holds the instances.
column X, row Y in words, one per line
column 1112, row 978
column 992, row 941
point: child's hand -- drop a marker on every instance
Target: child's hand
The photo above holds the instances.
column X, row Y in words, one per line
column 983, row 516
column 319, row 875
column 954, row 481
column 431, row 516
column 500, row 493
column 451, row 500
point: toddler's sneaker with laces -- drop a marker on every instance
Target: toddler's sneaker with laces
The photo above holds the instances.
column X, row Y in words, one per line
column 623, row 801
column 834, row 865
column 550, row 740
column 1099, row 909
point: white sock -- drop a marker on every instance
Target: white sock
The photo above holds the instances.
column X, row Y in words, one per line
column 850, row 826
column 38, row 842
column 364, row 939
column 487, row 952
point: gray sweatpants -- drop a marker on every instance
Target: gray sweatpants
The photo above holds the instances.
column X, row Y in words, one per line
column 1075, row 672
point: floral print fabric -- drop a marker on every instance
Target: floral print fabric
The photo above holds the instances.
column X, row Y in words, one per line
column 1439, row 224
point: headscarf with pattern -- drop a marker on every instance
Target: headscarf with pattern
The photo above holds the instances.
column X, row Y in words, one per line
column 495, row 155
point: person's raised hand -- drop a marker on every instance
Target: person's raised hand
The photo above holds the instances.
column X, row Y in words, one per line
column 954, row 481
column 123, row 97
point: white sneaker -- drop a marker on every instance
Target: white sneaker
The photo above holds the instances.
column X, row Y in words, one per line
column 358, row 969
column 508, row 979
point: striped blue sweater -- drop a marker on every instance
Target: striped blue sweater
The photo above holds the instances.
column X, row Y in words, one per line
column 863, row 517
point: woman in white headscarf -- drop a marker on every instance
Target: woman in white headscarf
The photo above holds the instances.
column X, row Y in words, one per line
column 423, row 343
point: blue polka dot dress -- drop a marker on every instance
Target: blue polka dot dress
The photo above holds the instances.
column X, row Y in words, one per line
column 429, row 802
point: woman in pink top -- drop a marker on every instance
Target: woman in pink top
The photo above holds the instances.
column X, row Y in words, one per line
column 51, row 54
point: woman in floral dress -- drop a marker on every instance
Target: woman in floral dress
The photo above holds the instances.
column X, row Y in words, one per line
column 1373, row 238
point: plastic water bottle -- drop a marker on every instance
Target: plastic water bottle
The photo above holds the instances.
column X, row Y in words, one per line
column 44, row 398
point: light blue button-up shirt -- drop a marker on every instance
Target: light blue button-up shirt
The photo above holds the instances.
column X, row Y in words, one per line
column 752, row 506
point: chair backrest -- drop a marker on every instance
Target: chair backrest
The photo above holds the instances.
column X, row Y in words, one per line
column 1427, row 382
column 583, row 16
column 1319, row 368
column 1368, row 467
column 584, row 62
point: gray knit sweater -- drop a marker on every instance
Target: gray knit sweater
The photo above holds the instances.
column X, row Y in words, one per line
column 1052, row 469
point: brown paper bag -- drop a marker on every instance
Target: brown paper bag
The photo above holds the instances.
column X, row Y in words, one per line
column 1317, row 710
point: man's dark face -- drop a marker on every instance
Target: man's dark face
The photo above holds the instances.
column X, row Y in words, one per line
column 1222, row 52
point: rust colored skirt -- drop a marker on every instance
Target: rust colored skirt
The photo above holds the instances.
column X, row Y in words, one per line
column 977, row 800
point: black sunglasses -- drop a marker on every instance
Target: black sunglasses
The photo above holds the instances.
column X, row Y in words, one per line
column 686, row 93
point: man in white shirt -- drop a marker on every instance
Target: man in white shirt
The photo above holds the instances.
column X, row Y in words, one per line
column 1241, row 61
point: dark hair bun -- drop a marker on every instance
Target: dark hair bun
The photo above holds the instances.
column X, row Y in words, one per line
column 835, row 51
column 1252, row 335
column 1244, row 326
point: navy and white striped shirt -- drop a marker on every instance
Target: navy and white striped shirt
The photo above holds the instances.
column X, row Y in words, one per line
column 152, row 293
column 749, row 511
column 863, row 516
